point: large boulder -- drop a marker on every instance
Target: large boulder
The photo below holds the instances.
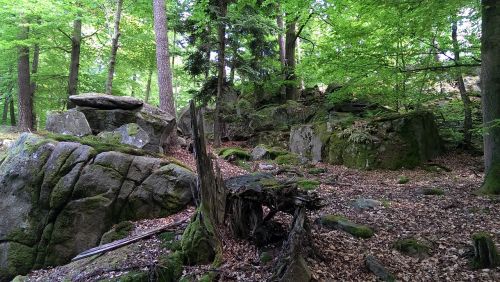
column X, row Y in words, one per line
column 129, row 134
column 280, row 117
column 184, row 121
column 107, row 113
column 390, row 142
column 305, row 142
column 59, row 198
column 71, row 122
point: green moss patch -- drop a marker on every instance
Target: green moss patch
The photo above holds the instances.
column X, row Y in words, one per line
column 412, row 247
column 237, row 153
column 308, row 184
column 317, row 170
column 491, row 184
column 119, row 231
column 288, row 159
column 433, row 192
column 265, row 257
column 342, row 223
column 170, row 267
column 403, row 180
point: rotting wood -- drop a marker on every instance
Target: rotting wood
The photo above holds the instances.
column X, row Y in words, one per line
column 123, row 242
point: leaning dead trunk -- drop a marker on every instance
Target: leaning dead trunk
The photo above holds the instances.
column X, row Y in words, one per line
column 114, row 47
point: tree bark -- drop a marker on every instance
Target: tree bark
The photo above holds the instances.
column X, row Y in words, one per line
column 5, row 109
column 148, row 85
column 114, row 47
column 24, row 85
column 33, row 86
column 490, row 79
column 467, row 139
column 162, row 58
column 282, row 52
column 12, row 111
column 74, row 66
column 221, row 34
column 290, row 63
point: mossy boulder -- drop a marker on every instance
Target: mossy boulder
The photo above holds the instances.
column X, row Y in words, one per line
column 235, row 154
column 308, row 184
column 413, row 247
column 342, row 223
column 280, row 117
column 59, row 198
column 391, row 141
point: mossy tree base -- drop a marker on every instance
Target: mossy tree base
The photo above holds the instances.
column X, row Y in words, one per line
column 491, row 185
column 485, row 251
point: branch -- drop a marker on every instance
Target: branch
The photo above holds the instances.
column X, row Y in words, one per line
column 65, row 34
column 62, row 48
column 440, row 68
column 308, row 40
column 302, row 26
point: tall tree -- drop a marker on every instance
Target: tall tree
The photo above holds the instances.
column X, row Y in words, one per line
column 162, row 58
column 34, row 71
column 281, row 46
column 114, row 47
column 221, row 67
column 23, row 80
column 290, row 62
column 467, row 139
column 490, row 78
column 74, row 66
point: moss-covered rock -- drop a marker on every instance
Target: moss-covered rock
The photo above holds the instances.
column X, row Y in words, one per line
column 59, row 198
column 317, row 170
column 235, row 153
column 288, row 159
column 342, row 223
column 413, row 247
column 403, row 180
column 170, row 267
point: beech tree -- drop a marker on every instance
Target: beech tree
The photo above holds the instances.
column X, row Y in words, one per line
column 114, row 47
column 24, row 82
column 490, row 78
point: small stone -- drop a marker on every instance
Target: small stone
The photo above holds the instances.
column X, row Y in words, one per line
column 363, row 204
column 259, row 152
column 378, row 269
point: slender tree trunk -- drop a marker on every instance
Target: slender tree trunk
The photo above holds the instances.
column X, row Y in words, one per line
column 74, row 66
column 148, row 85
column 221, row 32
column 207, row 51
column 33, row 87
column 282, row 52
column 163, row 58
column 290, row 46
column 24, row 85
column 12, row 111
column 5, row 109
column 467, row 139
column 114, row 47
column 490, row 79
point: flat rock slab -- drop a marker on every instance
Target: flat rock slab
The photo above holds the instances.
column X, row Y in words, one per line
column 106, row 102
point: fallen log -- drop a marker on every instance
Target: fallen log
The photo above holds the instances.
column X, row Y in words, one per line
column 123, row 242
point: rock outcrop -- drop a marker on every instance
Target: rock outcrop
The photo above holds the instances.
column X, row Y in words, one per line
column 58, row 198
column 71, row 122
column 391, row 141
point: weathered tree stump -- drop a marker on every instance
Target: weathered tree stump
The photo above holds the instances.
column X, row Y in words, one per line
column 485, row 252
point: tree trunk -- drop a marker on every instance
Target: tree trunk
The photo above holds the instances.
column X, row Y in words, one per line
column 290, row 46
column 74, row 66
column 467, row 139
column 114, row 47
column 33, row 86
column 5, row 109
column 490, row 79
column 162, row 58
column 281, row 44
column 148, row 85
column 221, row 34
column 12, row 111
column 24, row 85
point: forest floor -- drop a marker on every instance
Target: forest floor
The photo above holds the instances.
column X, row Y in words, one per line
column 445, row 222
